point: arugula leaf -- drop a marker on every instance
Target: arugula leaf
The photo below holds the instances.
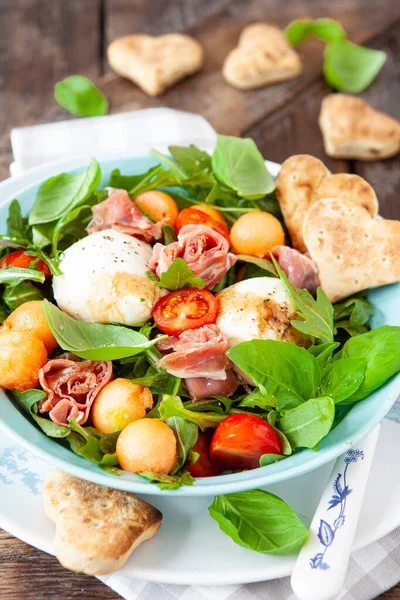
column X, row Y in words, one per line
column 351, row 68
column 14, row 275
column 238, row 164
column 317, row 314
column 168, row 234
column 28, row 400
column 323, row 353
column 281, row 369
column 128, row 182
column 62, row 223
column 94, row 341
column 169, row 482
column 186, row 434
column 177, row 171
column 381, row 350
column 7, row 241
column 257, row 400
column 171, row 406
column 342, row 378
column 285, row 444
column 270, row 459
column 260, row 521
column 15, row 295
column 62, row 193
column 3, row 313
column 17, row 225
column 216, row 404
column 306, row 425
column 323, row 29
column 353, row 314
column 79, row 96
column 262, row 263
column 177, row 276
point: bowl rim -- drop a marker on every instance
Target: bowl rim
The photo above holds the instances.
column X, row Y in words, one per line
column 221, row 484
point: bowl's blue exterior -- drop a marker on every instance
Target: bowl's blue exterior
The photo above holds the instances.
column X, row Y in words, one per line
column 360, row 420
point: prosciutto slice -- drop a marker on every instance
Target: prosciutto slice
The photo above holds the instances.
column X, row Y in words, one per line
column 120, row 213
column 196, row 353
column 299, row 269
column 71, row 388
column 204, row 250
column 203, row 387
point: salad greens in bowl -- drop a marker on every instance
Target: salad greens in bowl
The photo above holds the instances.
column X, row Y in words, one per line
column 154, row 340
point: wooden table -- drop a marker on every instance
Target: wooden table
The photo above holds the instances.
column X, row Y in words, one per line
column 42, row 41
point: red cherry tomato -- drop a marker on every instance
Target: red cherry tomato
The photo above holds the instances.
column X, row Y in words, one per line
column 203, row 467
column 241, row 439
column 185, row 309
column 192, row 216
column 22, row 260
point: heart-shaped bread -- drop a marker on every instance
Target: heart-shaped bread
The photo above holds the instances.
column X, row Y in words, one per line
column 304, row 180
column 97, row 528
column 263, row 56
column 155, row 63
column 351, row 128
column 353, row 251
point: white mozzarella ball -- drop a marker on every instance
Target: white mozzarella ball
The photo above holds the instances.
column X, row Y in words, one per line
column 258, row 308
column 104, row 280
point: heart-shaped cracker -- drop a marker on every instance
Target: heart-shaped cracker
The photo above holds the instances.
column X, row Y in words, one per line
column 263, row 56
column 353, row 251
column 97, row 528
column 304, row 180
column 155, row 63
column 351, row 128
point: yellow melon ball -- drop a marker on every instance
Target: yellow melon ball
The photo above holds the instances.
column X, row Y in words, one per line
column 30, row 317
column 22, row 354
column 119, row 403
column 256, row 233
column 147, row 445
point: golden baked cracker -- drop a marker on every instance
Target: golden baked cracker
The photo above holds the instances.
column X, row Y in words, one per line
column 155, row 63
column 352, row 250
column 262, row 56
column 351, row 128
column 299, row 176
column 97, row 528
column 352, row 187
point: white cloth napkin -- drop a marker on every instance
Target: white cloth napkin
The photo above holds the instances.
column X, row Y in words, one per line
column 373, row 569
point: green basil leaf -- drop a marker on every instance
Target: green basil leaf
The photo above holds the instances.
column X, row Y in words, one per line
column 94, row 341
column 177, row 276
column 306, row 425
column 17, row 225
column 323, row 29
column 7, row 241
column 381, row 350
column 257, row 400
column 14, row 296
column 317, row 313
column 238, row 164
column 262, row 263
column 177, row 171
column 270, row 459
column 191, row 159
column 281, row 369
column 171, row 406
column 217, row 404
column 14, row 275
column 62, row 223
column 79, row 96
column 260, row 521
column 169, row 482
column 108, row 442
column 323, row 353
column 3, row 313
column 128, row 182
column 351, row 68
column 273, row 416
column 342, row 378
column 297, row 31
column 42, row 234
column 84, row 443
column 29, row 398
column 186, row 434
column 62, row 193
column 168, row 234
column 28, row 401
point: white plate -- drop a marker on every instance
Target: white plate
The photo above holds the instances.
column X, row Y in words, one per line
column 189, row 548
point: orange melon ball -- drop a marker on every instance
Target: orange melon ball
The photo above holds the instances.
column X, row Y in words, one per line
column 158, row 205
column 22, row 354
column 147, row 445
column 213, row 212
column 256, row 233
column 30, row 317
column 119, row 403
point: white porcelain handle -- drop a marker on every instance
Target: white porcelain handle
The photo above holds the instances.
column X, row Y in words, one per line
column 322, row 563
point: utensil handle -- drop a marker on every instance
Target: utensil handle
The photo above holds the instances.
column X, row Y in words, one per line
column 321, row 566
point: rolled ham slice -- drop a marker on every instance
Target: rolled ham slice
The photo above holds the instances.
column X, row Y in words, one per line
column 203, row 387
column 71, row 388
column 120, row 213
column 299, row 269
column 204, row 250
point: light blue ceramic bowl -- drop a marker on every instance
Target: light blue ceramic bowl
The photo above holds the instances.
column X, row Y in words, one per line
column 360, row 420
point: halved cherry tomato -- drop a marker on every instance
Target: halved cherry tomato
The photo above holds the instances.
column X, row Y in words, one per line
column 213, row 212
column 192, row 216
column 241, row 439
column 22, row 260
column 185, row 309
column 203, row 467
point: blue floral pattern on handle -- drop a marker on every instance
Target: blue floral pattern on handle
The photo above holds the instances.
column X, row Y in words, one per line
column 326, row 531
